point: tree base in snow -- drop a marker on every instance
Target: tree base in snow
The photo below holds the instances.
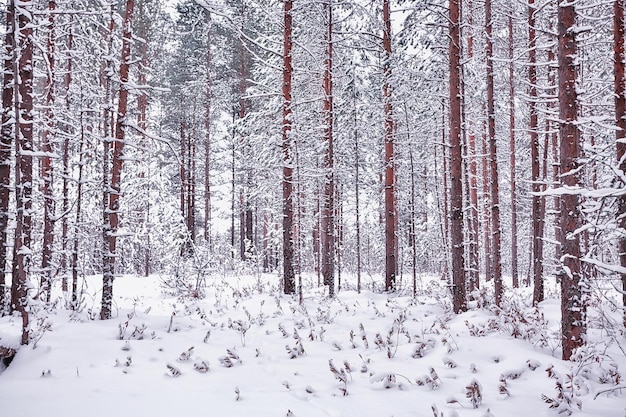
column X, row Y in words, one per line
column 6, row 356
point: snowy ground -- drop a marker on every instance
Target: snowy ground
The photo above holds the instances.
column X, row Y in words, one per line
column 269, row 356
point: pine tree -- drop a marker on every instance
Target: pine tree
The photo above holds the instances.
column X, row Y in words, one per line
column 391, row 209
column 289, row 280
column 117, row 165
column 6, row 141
column 572, row 294
column 22, row 250
column 456, row 192
column 620, row 133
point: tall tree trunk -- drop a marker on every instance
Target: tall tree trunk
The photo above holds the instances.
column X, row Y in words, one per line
column 339, row 230
column 207, row 149
column 242, row 222
column 620, row 133
column 328, row 204
column 472, row 174
column 265, row 241
column 66, row 161
column 249, row 217
column 473, row 194
column 536, row 215
column 22, row 251
column 469, row 237
column 183, row 172
column 512, row 148
column 317, row 238
column 412, row 209
column 246, row 212
column 446, row 206
column 117, row 162
column 572, row 297
column 6, row 140
column 232, row 190
column 79, row 214
column 456, row 171
column 107, row 266
column 391, row 212
column 357, row 207
column 412, row 231
column 289, row 278
column 191, row 187
column 46, row 161
column 556, row 161
column 486, row 205
column 142, row 114
column 495, row 199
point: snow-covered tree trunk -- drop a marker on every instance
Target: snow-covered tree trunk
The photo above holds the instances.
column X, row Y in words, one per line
column 46, row 159
column 536, row 214
column 620, row 133
column 328, row 203
column 572, row 295
column 22, row 250
column 66, row 162
column 207, row 148
column 456, row 172
column 289, row 278
column 6, row 140
column 472, row 166
column 391, row 210
column 357, row 190
column 512, row 159
column 117, row 163
column 107, row 139
column 493, row 163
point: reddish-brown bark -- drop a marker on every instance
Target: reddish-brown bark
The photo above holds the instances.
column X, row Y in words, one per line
column 536, row 214
column 232, row 189
column 491, row 128
column 391, row 214
column 191, row 187
column 66, row 161
column 117, row 163
column 6, row 140
column 459, row 302
column 207, row 148
column 183, row 170
column 289, row 278
column 472, row 183
column 23, row 49
column 46, row 161
column 357, row 208
column 573, row 325
column 514, row 265
column 328, row 204
column 486, row 204
column 620, row 133
column 246, row 208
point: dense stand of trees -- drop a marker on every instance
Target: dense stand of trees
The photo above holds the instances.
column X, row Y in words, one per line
column 314, row 139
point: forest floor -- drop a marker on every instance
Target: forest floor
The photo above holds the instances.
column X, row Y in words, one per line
column 245, row 350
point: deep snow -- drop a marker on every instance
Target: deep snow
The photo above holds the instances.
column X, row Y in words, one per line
column 423, row 356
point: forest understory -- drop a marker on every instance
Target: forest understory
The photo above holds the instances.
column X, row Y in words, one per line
column 238, row 346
